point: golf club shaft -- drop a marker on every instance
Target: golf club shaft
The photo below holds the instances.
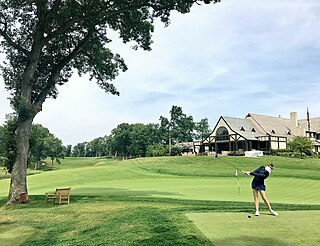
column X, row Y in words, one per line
column 237, row 169
column 230, row 164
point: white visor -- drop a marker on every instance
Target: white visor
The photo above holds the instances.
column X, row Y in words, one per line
column 268, row 169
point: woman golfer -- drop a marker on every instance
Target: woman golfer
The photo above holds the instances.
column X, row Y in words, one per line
column 258, row 186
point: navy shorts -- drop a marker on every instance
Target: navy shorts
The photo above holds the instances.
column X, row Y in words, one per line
column 258, row 187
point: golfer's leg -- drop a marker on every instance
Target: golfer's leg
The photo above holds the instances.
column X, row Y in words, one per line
column 264, row 198
column 256, row 200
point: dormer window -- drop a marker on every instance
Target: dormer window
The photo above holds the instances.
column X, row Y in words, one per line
column 289, row 132
column 253, row 130
column 273, row 132
column 242, row 129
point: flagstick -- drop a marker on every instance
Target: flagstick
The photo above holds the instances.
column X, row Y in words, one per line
column 238, row 175
column 308, row 121
column 238, row 183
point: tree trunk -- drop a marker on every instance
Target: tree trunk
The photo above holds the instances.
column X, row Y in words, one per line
column 26, row 113
column 18, row 183
column 169, row 146
column 36, row 165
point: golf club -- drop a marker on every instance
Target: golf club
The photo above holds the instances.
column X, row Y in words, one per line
column 237, row 171
column 229, row 164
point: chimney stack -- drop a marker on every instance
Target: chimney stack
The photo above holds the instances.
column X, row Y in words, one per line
column 293, row 120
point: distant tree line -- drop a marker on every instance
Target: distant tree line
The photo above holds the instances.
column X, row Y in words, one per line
column 126, row 140
column 140, row 140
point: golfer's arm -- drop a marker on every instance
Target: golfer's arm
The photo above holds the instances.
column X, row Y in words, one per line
column 258, row 174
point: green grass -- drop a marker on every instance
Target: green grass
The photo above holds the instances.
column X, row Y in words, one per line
column 237, row 229
column 146, row 201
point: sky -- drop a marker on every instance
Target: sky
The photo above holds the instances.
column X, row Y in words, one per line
column 228, row 59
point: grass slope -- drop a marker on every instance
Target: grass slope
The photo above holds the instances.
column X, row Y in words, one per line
column 145, row 201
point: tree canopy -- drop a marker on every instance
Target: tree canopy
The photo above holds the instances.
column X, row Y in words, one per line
column 45, row 41
column 43, row 144
column 178, row 128
column 133, row 140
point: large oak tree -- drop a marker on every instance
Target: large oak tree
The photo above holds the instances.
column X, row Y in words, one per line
column 46, row 40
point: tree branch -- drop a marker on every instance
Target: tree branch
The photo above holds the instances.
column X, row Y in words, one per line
column 107, row 14
column 54, row 8
column 4, row 34
column 52, row 80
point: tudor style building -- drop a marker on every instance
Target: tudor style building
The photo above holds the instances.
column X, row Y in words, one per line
column 258, row 132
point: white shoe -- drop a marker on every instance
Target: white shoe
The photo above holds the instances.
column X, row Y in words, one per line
column 257, row 213
column 274, row 213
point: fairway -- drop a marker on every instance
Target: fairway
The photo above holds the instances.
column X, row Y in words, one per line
column 164, row 201
column 107, row 179
column 138, row 179
column 290, row 228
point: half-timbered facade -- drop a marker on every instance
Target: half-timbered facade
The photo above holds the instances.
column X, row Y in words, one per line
column 257, row 132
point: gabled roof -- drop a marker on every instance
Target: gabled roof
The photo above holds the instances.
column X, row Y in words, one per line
column 243, row 127
column 255, row 125
column 272, row 125
column 314, row 124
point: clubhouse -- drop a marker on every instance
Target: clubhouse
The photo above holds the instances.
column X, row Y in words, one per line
column 257, row 132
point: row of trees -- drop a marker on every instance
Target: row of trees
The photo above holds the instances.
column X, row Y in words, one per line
column 147, row 139
column 126, row 140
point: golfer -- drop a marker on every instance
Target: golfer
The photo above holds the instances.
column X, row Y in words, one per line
column 258, row 186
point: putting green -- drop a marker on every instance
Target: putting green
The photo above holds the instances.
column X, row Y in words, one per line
column 289, row 228
column 279, row 190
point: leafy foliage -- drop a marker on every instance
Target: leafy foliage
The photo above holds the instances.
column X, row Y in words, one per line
column 303, row 145
column 139, row 140
column 8, row 142
column 46, row 40
column 49, row 38
column 155, row 150
column 43, row 144
column 202, row 129
column 179, row 127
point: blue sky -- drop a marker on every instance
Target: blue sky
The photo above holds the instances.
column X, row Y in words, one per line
column 228, row 59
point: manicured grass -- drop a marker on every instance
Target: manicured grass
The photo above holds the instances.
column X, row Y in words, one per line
column 219, row 167
column 145, row 201
column 290, row 228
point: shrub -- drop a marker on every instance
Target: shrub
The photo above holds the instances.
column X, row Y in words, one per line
column 303, row 145
column 176, row 151
column 155, row 150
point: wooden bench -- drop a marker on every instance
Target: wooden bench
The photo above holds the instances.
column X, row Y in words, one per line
column 61, row 195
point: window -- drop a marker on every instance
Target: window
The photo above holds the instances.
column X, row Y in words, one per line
column 273, row 132
column 242, row 129
column 253, row 130
column 222, row 134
